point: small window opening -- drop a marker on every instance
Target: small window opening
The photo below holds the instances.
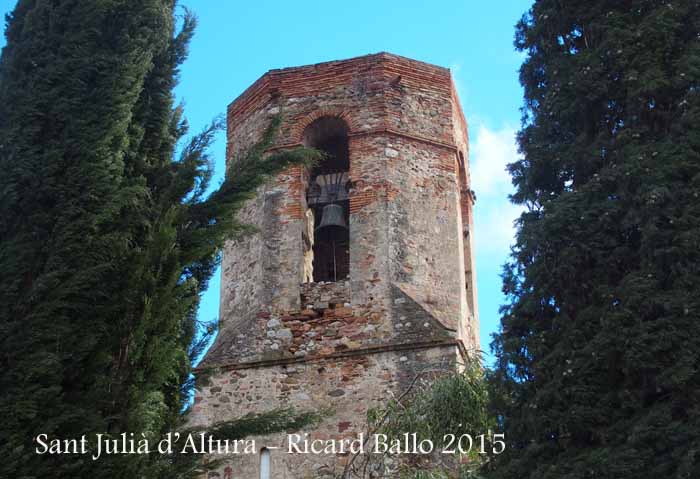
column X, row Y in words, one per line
column 265, row 463
column 327, row 255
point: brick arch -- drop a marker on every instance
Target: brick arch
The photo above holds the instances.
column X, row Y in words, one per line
column 297, row 131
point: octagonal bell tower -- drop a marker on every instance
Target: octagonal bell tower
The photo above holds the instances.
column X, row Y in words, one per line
column 361, row 274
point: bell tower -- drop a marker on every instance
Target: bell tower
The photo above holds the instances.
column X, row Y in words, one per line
column 360, row 275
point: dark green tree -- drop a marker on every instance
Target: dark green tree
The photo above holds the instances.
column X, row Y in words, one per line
column 599, row 351
column 70, row 77
column 106, row 239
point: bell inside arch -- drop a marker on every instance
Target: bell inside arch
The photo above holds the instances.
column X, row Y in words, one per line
column 332, row 216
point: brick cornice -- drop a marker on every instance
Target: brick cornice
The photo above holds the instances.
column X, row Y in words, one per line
column 339, row 355
column 314, row 79
column 382, row 131
column 409, row 136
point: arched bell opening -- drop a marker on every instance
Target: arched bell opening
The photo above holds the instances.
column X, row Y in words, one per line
column 327, row 236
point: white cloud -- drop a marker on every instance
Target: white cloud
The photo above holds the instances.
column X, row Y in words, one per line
column 490, row 152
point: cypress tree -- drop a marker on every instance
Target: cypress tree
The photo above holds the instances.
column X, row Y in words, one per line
column 70, row 76
column 106, row 240
column 599, row 351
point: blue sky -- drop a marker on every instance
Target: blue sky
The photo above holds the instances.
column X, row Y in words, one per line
column 237, row 41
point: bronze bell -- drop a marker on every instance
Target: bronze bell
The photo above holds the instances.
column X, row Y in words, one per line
column 332, row 215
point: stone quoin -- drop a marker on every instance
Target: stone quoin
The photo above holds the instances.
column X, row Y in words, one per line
column 360, row 275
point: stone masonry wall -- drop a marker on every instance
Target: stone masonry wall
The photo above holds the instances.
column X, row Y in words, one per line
column 350, row 385
column 329, row 324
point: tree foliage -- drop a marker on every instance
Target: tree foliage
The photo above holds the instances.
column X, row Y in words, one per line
column 435, row 408
column 599, row 349
column 106, row 239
